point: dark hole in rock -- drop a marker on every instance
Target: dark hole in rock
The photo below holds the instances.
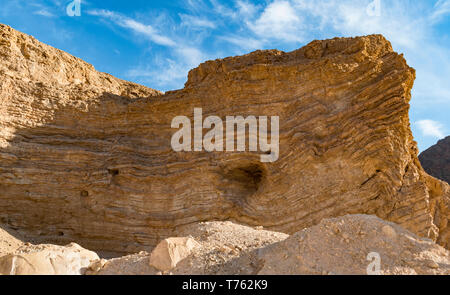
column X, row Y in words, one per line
column 243, row 181
column 113, row 172
column 84, row 194
column 61, row 233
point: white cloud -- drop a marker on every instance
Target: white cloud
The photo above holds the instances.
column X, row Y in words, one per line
column 399, row 20
column 431, row 128
column 278, row 21
column 134, row 25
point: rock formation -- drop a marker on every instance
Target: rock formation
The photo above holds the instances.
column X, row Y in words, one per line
column 87, row 157
column 436, row 160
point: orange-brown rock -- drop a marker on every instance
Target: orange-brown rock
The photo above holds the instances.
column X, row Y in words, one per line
column 86, row 157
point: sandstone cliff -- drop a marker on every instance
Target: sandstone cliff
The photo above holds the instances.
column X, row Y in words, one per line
column 86, row 157
column 436, row 160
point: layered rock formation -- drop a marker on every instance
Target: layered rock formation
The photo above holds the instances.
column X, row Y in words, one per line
column 87, row 157
column 436, row 160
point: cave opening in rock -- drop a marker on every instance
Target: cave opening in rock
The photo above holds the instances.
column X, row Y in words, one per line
column 113, row 172
column 244, row 180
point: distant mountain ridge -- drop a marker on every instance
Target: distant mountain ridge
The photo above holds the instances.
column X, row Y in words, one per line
column 436, row 160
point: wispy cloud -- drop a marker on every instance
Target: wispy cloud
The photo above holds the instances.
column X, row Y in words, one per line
column 171, row 68
column 224, row 10
column 442, row 8
column 196, row 22
column 135, row 26
column 44, row 12
column 196, row 6
column 246, row 9
column 431, row 128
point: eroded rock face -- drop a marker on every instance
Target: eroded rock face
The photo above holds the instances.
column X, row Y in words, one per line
column 87, row 157
column 436, row 160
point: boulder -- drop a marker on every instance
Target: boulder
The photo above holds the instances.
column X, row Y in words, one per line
column 47, row 260
column 171, row 251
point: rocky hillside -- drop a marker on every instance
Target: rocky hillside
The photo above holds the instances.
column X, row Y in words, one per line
column 87, row 158
column 436, row 160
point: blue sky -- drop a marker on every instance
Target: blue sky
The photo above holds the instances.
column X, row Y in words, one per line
column 156, row 43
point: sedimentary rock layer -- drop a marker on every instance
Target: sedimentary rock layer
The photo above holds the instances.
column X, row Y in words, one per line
column 87, row 157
